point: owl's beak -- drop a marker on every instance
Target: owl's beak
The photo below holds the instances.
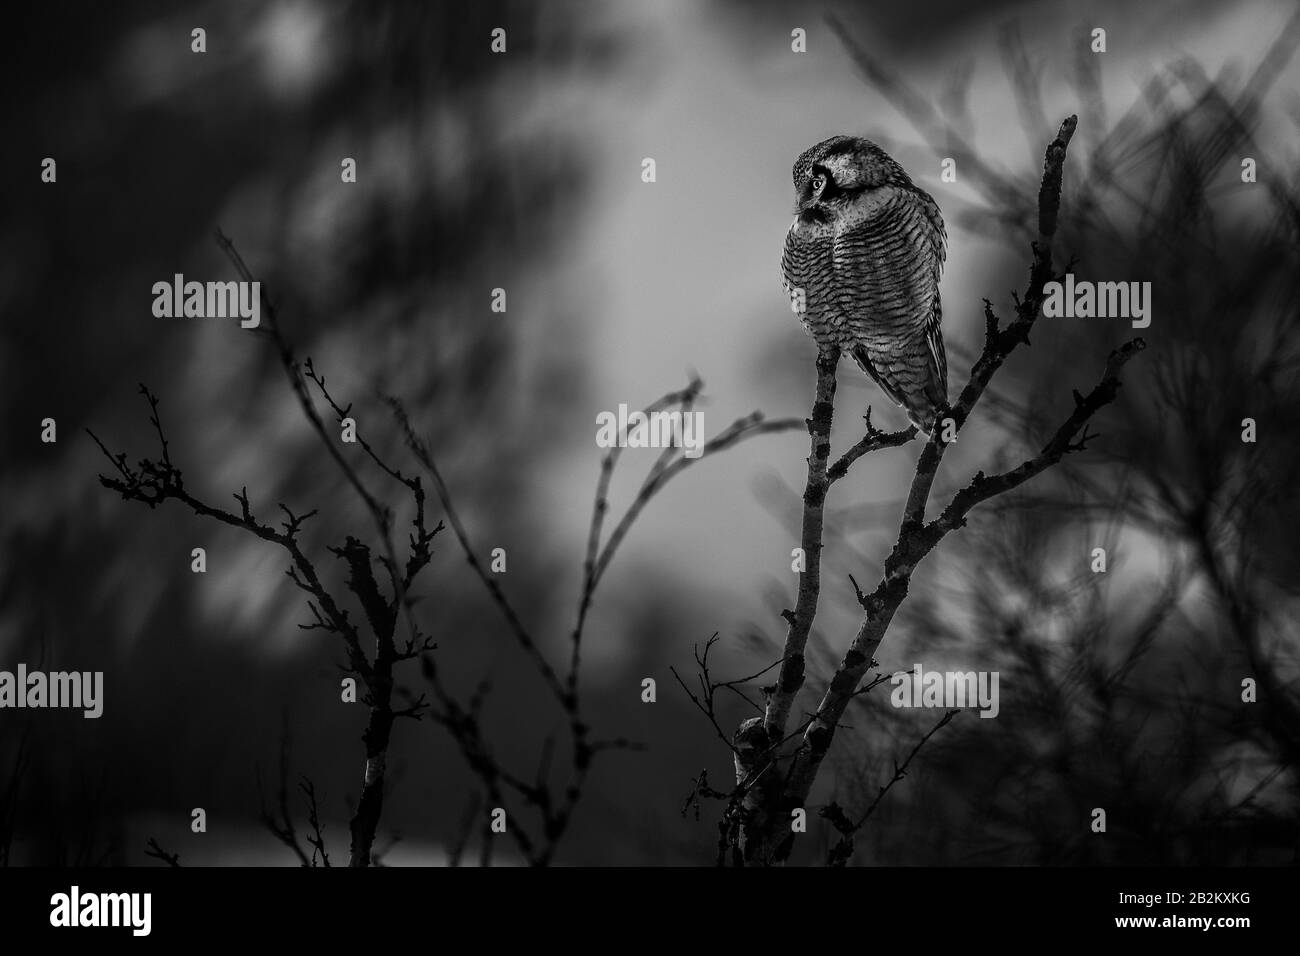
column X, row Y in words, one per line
column 802, row 200
column 809, row 213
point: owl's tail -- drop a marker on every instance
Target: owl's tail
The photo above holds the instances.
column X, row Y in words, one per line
column 920, row 390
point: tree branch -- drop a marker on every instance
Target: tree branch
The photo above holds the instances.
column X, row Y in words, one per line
column 790, row 678
column 763, row 837
column 842, row 852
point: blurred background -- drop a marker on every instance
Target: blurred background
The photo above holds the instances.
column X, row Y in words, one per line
column 522, row 171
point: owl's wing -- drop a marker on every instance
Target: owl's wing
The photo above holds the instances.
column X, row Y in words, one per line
column 887, row 260
column 938, row 242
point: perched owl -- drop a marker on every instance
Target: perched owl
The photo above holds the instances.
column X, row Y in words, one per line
column 861, row 266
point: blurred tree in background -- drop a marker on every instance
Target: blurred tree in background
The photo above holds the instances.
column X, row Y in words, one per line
column 386, row 282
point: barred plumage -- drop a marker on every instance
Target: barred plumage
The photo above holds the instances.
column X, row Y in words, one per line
column 866, row 250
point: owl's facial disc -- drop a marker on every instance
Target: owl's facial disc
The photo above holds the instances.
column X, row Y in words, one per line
column 817, row 191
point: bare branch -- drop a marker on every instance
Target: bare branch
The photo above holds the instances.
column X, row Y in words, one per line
column 873, row 440
column 842, row 852
column 158, row 853
column 317, row 836
column 159, row 481
column 521, row 633
column 790, row 679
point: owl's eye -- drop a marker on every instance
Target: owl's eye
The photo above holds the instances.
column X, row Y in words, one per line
column 817, row 183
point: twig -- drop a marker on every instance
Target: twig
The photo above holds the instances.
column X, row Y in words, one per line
column 158, row 853
column 842, row 852
column 317, row 836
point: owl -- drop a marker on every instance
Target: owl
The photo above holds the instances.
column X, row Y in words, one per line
column 861, row 266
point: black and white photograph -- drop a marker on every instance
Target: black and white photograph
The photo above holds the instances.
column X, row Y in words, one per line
column 615, row 439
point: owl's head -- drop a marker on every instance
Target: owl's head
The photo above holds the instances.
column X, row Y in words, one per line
column 830, row 176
